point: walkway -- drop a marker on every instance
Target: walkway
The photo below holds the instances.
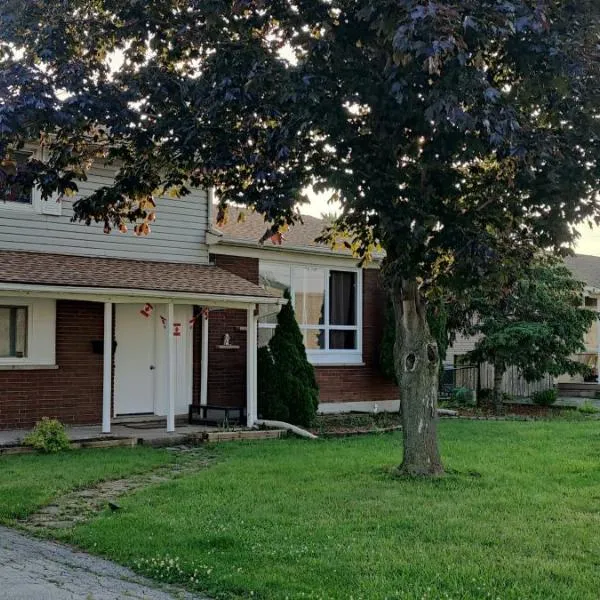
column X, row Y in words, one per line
column 31, row 568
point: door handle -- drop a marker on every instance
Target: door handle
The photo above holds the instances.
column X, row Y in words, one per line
column 152, row 367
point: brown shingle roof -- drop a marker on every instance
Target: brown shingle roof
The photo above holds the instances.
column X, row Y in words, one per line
column 585, row 268
column 95, row 272
column 252, row 227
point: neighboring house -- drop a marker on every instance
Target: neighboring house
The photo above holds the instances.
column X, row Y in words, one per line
column 97, row 327
column 584, row 268
column 339, row 306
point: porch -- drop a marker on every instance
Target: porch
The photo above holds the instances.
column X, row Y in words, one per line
column 152, row 433
column 148, row 333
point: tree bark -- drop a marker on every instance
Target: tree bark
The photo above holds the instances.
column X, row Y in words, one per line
column 499, row 370
column 416, row 361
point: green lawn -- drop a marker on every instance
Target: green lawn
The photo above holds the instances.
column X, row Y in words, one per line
column 31, row 480
column 518, row 518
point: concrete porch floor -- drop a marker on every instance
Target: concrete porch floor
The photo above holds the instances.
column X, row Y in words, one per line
column 152, row 433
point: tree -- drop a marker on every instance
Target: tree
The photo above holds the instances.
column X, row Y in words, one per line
column 458, row 134
column 287, row 388
column 438, row 323
column 535, row 322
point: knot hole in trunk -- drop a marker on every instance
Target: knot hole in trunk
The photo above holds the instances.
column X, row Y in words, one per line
column 432, row 354
column 410, row 362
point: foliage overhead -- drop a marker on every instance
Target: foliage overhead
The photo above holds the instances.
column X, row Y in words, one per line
column 535, row 323
column 457, row 133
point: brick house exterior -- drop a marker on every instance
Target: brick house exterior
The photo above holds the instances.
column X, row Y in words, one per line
column 342, row 387
column 71, row 392
column 98, row 327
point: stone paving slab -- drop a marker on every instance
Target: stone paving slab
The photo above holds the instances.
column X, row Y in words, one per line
column 36, row 569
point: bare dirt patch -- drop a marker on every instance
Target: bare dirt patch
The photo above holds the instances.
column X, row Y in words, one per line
column 81, row 505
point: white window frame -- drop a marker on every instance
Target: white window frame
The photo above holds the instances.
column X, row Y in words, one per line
column 41, row 333
column 51, row 206
column 29, row 327
column 330, row 357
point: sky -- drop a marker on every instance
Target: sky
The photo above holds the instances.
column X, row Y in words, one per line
column 589, row 243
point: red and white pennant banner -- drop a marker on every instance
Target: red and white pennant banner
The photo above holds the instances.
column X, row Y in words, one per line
column 147, row 310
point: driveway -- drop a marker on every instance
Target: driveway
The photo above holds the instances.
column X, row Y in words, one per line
column 31, row 568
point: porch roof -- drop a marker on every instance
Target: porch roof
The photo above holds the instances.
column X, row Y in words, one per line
column 70, row 271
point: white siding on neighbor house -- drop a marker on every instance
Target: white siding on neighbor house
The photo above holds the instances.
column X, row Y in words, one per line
column 178, row 234
column 462, row 344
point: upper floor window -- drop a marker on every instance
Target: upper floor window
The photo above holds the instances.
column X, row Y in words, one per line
column 13, row 331
column 17, row 197
column 13, row 192
column 327, row 303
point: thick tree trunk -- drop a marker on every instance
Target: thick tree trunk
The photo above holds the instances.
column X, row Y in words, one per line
column 499, row 370
column 416, row 361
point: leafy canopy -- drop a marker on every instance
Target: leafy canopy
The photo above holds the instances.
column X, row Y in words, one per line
column 535, row 323
column 456, row 133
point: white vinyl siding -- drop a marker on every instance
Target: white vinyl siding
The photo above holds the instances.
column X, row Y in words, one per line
column 178, row 234
column 461, row 345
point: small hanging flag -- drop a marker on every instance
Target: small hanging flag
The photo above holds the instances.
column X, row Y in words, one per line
column 163, row 321
column 177, row 329
column 193, row 320
column 147, row 310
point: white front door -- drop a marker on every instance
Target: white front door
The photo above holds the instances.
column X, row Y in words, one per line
column 135, row 360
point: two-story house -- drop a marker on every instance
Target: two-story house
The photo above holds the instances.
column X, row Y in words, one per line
column 99, row 327
column 95, row 327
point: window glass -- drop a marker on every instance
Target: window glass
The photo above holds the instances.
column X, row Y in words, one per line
column 13, row 331
column 342, row 298
column 264, row 335
column 590, row 302
column 275, row 279
column 10, row 167
column 342, row 340
column 326, row 305
column 308, row 286
column 314, row 339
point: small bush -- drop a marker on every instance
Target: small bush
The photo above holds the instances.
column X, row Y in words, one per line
column 287, row 386
column 545, row 397
column 587, row 408
column 49, row 436
column 462, row 396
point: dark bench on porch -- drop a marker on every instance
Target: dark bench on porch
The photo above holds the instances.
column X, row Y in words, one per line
column 211, row 414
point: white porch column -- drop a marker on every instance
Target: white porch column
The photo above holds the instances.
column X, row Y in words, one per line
column 204, row 361
column 251, row 379
column 107, row 367
column 170, row 368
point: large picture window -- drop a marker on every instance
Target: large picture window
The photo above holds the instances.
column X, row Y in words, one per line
column 327, row 306
column 13, row 331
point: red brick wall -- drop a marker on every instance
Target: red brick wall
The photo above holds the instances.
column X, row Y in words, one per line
column 71, row 393
column 239, row 265
column 362, row 383
column 227, row 368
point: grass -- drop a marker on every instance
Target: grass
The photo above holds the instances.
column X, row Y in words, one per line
column 517, row 518
column 30, row 481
